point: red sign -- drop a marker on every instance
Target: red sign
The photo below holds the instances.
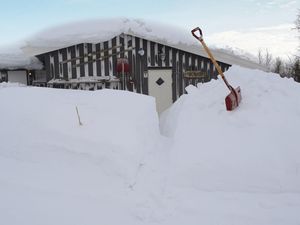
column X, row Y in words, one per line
column 123, row 65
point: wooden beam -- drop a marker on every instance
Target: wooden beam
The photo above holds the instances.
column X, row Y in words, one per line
column 102, row 58
column 195, row 74
column 90, row 54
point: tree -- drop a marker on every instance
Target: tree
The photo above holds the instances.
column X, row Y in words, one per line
column 296, row 70
column 278, row 66
column 260, row 57
column 296, row 65
column 265, row 58
column 297, row 22
column 268, row 59
column 288, row 68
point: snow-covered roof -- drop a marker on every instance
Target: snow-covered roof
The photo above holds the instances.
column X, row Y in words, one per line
column 14, row 58
column 95, row 31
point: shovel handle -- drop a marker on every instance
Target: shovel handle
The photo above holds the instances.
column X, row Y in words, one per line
column 199, row 37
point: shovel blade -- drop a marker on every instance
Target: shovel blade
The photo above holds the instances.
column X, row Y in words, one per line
column 233, row 99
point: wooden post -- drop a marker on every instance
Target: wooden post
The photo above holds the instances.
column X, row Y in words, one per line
column 80, row 124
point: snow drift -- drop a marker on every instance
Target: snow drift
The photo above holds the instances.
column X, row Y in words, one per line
column 215, row 167
column 240, row 167
column 252, row 149
column 53, row 171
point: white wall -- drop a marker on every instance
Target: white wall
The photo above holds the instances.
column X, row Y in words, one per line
column 17, row 76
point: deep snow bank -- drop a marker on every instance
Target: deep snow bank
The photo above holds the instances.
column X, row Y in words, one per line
column 41, row 109
column 217, row 167
column 53, row 171
column 240, row 167
column 254, row 148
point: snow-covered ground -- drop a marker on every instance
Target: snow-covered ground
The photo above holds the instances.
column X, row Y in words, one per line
column 207, row 166
column 53, row 171
column 240, row 167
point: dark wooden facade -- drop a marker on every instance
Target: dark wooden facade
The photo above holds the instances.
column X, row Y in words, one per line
column 94, row 64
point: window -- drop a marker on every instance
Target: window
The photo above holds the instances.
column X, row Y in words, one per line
column 3, row 76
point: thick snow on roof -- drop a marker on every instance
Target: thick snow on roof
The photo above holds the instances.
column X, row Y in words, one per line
column 95, row 31
column 14, row 58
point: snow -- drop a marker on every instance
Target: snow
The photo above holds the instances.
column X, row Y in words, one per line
column 240, row 167
column 100, row 30
column 259, row 138
column 53, row 171
column 12, row 58
column 203, row 166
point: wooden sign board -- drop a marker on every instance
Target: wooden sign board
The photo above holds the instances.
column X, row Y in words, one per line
column 195, row 74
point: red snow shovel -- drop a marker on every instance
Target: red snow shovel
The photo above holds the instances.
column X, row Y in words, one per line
column 234, row 98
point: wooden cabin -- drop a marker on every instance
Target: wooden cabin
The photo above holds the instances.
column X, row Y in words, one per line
column 128, row 62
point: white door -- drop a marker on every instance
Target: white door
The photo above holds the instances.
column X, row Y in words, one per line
column 160, row 87
column 17, row 76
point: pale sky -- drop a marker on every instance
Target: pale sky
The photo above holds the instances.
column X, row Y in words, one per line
column 245, row 24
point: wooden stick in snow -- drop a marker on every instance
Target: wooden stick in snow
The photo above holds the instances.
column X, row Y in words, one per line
column 80, row 124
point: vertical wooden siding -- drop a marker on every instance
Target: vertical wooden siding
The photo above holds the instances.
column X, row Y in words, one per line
column 177, row 60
